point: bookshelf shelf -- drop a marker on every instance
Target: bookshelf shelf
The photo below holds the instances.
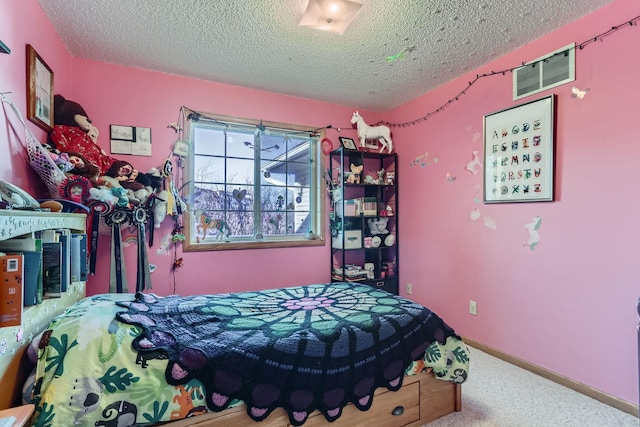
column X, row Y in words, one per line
column 14, row 339
column 15, row 223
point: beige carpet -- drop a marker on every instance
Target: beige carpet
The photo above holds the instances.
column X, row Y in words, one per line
column 498, row 394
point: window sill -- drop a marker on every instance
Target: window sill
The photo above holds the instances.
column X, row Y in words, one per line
column 226, row 246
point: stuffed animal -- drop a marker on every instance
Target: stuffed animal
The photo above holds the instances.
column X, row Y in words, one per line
column 73, row 132
column 103, row 194
column 121, row 194
column 124, row 173
column 160, row 208
column 378, row 225
column 354, row 175
column 83, row 167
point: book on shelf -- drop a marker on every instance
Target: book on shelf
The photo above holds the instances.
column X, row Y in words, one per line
column 84, row 260
column 32, row 278
column 51, row 269
column 11, row 273
column 64, row 237
column 75, row 258
column 31, row 249
column 19, row 244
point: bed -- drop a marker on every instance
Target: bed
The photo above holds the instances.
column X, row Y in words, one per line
column 307, row 355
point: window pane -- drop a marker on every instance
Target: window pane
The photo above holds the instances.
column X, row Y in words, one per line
column 300, row 221
column 209, row 197
column 296, row 146
column 273, row 198
column 240, row 198
column 273, row 223
column 209, row 225
column 273, row 172
column 208, row 169
column 240, row 171
column 272, row 146
column 240, row 144
column 208, row 141
column 241, row 224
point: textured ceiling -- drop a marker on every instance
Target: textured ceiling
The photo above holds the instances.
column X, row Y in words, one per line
column 259, row 44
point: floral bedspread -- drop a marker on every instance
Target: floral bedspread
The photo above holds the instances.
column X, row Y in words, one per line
column 121, row 360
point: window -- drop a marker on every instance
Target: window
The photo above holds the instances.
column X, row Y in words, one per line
column 252, row 185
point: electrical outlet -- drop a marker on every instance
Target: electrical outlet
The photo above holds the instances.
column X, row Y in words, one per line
column 473, row 307
column 409, row 288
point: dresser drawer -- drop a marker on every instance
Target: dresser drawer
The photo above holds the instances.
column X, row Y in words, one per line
column 380, row 414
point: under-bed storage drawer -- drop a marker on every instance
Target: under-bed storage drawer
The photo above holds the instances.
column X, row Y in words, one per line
column 381, row 413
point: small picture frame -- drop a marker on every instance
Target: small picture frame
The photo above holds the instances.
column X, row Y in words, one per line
column 348, row 143
column 40, row 91
column 123, row 133
column 371, row 145
column 181, row 148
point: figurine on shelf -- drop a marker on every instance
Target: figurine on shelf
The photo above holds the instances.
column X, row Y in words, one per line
column 354, row 175
column 391, row 176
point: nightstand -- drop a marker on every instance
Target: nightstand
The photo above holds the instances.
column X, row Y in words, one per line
column 23, row 414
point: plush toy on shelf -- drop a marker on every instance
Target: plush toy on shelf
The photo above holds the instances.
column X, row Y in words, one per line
column 73, row 132
column 378, row 225
column 354, row 174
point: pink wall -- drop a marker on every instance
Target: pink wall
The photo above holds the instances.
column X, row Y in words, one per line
column 22, row 23
column 114, row 94
column 570, row 304
column 557, row 306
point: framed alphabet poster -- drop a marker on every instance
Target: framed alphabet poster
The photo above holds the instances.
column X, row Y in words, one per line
column 519, row 153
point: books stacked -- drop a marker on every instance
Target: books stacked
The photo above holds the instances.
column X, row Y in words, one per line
column 49, row 261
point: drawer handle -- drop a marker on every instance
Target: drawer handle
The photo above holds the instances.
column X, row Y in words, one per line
column 398, row 410
column 380, row 284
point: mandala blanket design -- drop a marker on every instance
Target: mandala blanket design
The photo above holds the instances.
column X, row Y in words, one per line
column 302, row 348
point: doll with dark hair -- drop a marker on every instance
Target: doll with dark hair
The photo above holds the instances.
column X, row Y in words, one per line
column 125, row 174
column 83, row 167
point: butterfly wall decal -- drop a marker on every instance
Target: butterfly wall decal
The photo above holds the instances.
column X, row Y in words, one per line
column 578, row 93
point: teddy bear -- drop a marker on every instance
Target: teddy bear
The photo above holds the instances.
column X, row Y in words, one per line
column 378, row 225
column 73, row 132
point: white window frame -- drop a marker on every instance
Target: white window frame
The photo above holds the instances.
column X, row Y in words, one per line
column 317, row 197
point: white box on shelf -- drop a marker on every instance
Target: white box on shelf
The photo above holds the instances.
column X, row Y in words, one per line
column 352, row 239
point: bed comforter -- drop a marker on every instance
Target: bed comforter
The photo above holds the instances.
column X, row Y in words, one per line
column 120, row 360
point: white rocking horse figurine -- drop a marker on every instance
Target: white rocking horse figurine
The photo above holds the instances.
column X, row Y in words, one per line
column 381, row 133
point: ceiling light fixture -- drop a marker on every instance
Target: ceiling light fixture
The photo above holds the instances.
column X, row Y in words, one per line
column 330, row 15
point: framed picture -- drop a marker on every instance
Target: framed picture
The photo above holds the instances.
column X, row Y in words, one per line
column 131, row 140
column 371, row 145
column 39, row 91
column 181, row 148
column 348, row 143
column 519, row 153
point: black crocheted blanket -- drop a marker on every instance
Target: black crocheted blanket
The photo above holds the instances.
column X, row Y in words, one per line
column 303, row 348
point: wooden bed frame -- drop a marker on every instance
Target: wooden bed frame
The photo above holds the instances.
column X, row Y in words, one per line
column 421, row 399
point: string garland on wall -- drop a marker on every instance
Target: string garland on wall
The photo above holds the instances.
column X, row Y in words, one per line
column 601, row 36
column 630, row 23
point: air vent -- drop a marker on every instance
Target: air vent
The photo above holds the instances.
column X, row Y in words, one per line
column 549, row 71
